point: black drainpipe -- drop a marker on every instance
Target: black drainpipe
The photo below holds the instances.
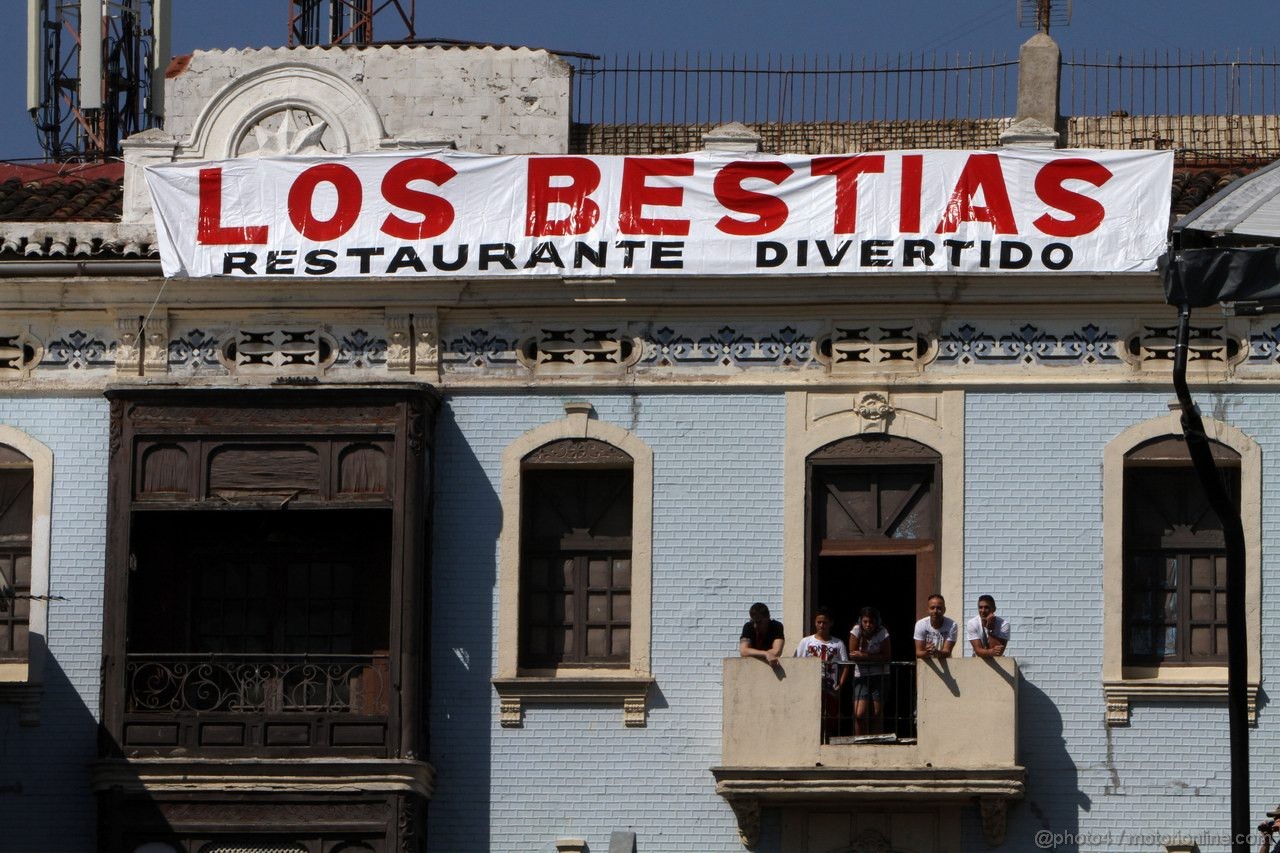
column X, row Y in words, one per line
column 1233, row 529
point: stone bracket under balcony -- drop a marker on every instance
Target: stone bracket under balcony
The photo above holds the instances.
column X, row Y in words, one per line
column 964, row 748
column 748, row 790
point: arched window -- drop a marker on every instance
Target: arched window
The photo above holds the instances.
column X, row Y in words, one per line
column 26, row 488
column 1175, row 556
column 574, row 567
column 1164, row 567
column 17, row 491
column 575, row 555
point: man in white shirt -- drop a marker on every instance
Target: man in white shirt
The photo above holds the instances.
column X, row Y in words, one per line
column 935, row 634
column 987, row 633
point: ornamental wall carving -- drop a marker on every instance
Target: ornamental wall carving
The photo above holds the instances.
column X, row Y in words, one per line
column 90, row 349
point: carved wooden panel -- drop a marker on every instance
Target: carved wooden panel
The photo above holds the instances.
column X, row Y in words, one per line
column 571, row 451
column 363, row 470
column 274, row 417
column 875, row 502
column 222, row 734
column 165, row 471
column 870, row 447
column 264, row 468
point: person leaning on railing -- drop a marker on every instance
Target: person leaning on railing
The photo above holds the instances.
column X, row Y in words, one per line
column 987, row 633
column 935, row 635
column 762, row 637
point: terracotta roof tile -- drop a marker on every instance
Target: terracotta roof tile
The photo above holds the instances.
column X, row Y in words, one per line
column 1191, row 188
column 61, row 192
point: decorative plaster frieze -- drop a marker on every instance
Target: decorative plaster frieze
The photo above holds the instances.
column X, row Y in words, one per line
column 20, row 352
column 738, row 346
column 296, row 349
column 359, row 348
column 1215, row 345
column 79, row 350
column 595, row 348
column 1084, row 345
column 882, row 346
column 196, row 350
column 596, row 351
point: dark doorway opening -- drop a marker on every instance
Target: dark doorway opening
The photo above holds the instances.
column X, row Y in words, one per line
column 873, row 530
column 886, row 582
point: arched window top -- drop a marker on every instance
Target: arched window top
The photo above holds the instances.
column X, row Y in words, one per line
column 864, row 448
column 577, row 451
column 1173, row 449
column 12, row 458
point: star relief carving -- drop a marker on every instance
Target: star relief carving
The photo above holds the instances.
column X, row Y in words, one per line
column 289, row 131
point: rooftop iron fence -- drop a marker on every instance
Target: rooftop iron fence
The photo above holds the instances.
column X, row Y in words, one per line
column 1208, row 108
column 814, row 104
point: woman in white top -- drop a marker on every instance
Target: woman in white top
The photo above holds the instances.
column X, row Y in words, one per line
column 870, row 650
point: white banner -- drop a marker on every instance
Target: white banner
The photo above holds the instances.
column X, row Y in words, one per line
column 445, row 213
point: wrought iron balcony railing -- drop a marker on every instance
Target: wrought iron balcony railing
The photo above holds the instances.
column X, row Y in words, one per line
column 177, row 684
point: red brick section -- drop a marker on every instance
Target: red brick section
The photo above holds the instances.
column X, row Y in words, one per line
column 61, row 192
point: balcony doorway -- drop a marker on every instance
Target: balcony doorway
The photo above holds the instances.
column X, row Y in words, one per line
column 873, row 532
column 887, row 582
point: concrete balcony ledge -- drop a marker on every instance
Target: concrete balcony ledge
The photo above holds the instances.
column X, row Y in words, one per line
column 965, row 748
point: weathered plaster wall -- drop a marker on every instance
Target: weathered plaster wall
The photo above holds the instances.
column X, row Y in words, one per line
column 484, row 99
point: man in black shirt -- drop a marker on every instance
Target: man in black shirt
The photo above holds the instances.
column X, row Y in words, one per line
column 762, row 637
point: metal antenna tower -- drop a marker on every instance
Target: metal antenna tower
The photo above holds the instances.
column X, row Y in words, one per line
column 95, row 73
column 1042, row 14
column 325, row 22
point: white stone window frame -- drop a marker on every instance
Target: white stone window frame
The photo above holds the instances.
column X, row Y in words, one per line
column 21, row 683
column 1122, row 685
column 626, row 686
column 816, row 419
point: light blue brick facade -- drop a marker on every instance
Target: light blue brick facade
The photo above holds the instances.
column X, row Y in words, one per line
column 1033, row 539
column 45, row 802
column 1033, row 475
column 717, row 547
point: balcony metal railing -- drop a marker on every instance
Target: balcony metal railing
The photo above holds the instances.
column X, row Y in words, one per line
column 862, row 718
column 176, row 684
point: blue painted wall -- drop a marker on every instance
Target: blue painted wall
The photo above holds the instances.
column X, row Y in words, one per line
column 45, row 803
column 1033, row 539
column 576, row 771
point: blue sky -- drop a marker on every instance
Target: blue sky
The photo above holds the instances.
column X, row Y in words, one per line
column 608, row 27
